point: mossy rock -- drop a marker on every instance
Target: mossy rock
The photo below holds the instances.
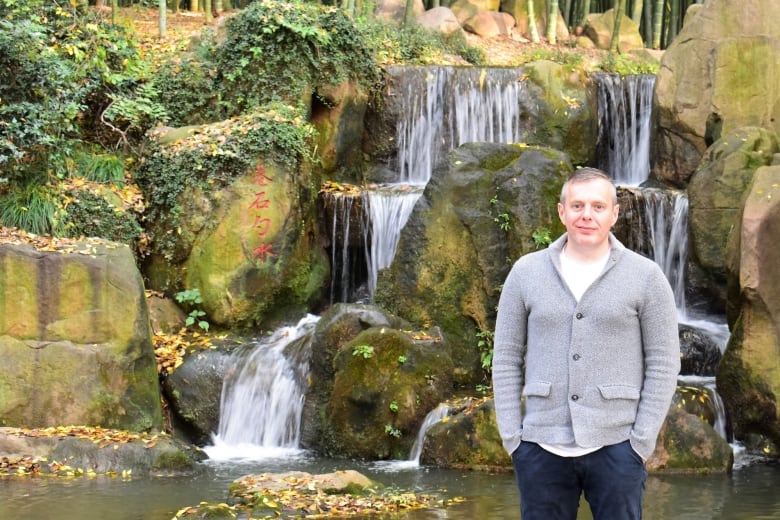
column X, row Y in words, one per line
column 385, row 383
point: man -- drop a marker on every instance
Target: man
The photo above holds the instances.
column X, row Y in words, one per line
column 585, row 363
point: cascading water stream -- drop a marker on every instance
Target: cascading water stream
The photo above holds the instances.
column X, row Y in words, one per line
column 388, row 209
column 444, row 107
column 624, row 109
column 262, row 399
column 435, row 416
column 667, row 221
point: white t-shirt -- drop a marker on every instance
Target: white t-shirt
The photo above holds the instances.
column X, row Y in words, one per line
column 578, row 276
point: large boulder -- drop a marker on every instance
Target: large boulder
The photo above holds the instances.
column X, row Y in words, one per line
column 238, row 231
column 75, row 338
column 599, row 27
column 338, row 116
column 567, row 115
column 479, row 212
column 749, row 375
column 385, row 383
column 337, row 326
column 194, row 390
column 716, row 193
column 688, row 444
column 440, row 19
column 720, row 73
column 467, row 439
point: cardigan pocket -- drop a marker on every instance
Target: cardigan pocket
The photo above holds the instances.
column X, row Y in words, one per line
column 541, row 410
column 619, row 392
column 537, row 389
column 617, row 408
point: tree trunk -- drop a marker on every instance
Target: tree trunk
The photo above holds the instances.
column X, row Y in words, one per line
column 552, row 21
column 566, row 11
column 162, row 23
column 674, row 17
column 114, row 11
column 636, row 13
column 409, row 13
column 658, row 17
column 209, row 16
column 619, row 10
column 647, row 24
column 585, row 13
column 532, row 22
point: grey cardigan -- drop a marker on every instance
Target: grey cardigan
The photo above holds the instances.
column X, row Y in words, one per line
column 597, row 372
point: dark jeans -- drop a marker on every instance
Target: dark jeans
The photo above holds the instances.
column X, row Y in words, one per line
column 612, row 479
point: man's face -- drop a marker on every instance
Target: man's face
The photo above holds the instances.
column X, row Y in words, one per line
column 588, row 213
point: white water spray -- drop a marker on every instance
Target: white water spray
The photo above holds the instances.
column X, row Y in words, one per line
column 262, row 399
column 624, row 109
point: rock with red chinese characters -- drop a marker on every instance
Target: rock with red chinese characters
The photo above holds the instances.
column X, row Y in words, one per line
column 247, row 247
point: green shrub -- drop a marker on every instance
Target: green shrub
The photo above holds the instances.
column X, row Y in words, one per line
column 625, row 64
column 415, row 45
column 58, row 68
column 90, row 215
column 278, row 51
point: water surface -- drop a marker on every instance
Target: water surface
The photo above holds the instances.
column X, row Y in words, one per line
column 749, row 493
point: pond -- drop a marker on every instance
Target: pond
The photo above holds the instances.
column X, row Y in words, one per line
column 750, row 492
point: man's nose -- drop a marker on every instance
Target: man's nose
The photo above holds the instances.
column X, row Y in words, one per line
column 586, row 212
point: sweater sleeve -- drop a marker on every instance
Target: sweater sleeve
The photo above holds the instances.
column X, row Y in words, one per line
column 661, row 345
column 509, row 344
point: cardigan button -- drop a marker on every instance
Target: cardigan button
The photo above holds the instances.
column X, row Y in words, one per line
column 579, row 316
column 575, row 397
column 576, row 357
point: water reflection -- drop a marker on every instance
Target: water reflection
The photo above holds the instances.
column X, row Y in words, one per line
column 749, row 493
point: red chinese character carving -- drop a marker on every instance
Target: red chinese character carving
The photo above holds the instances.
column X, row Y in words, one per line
column 261, row 179
column 262, row 225
column 260, row 202
column 262, row 250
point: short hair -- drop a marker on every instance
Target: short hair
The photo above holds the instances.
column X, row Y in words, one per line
column 588, row 174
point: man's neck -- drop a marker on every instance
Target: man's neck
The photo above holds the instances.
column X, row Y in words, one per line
column 586, row 255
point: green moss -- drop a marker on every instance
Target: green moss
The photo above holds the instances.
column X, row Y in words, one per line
column 500, row 159
column 172, row 461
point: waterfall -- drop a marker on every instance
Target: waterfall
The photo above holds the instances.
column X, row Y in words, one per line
column 262, row 398
column 341, row 215
column 388, row 209
column 347, row 231
column 706, row 396
column 443, row 107
column 420, row 129
column 624, row 109
column 435, row 416
column 666, row 216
